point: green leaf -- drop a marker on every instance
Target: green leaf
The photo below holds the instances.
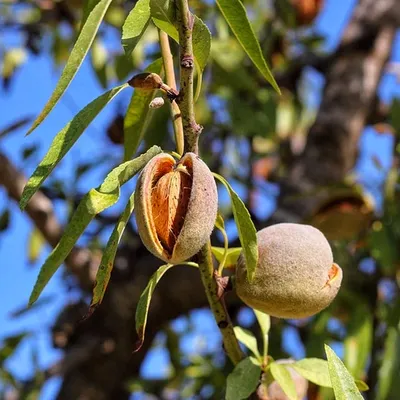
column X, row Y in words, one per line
column 143, row 305
column 21, row 311
column 358, row 341
column 285, row 380
column 246, row 229
column 201, row 43
column 135, row 25
column 390, row 367
column 75, row 60
column 94, row 202
column 343, row 383
column 10, row 344
column 64, row 140
column 265, row 324
column 163, row 10
column 314, row 370
column 247, row 338
column 139, row 114
column 361, row 385
column 87, row 8
column 235, row 15
column 243, row 380
column 107, row 261
column 231, row 257
column 36, row 242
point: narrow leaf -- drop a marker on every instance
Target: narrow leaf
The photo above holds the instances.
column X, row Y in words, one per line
column 314, row 370
column 107, row 262
column 247, row 338
column 10, row 344
column 36, row 242
column 361, row 385
column 285, row 380
column 358, row 341
column 22, row 311
column 143, row 305
column 390, row 367
column 87, row 8
column 75, row 60
column 64, row 140
column 138, row 115
column 343, row 383
column 265, row 323
column 94, row 202
column 246, row 229
column 235, row 15
column 243, row 380
column 135, row 25
column 163, row 10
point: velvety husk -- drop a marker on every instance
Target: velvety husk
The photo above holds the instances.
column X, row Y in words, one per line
column 293, row 278
column 201, row 211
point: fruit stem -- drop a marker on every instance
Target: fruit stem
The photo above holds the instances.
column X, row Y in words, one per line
column 191, row 129
column 170, row 78
column 206, row 267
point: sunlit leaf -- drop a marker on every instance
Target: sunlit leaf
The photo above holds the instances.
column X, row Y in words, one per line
column 75, row 60
column 243, row 380
column 265, row 324
column 36, row 243
column 246, row 229
column 143, row 305
column 247, row 338
column 64, row 140
column 361, row 385
column 314, row 370
column 390, row 367
column 343, row 383
column 232, row 255
column 94, row 202
column 139, row 114
column 10, row 344
column 235, row 15
column 135, row 25
column 281, row 374
column 358, row 341
column 107, row 262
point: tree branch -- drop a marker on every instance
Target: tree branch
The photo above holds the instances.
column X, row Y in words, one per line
column 191, row 133
column 191, row 129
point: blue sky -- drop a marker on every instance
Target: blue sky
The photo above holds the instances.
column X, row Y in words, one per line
column 29, row 92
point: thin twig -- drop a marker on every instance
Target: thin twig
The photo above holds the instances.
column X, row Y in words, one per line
column 170, row 78
column 192, row 132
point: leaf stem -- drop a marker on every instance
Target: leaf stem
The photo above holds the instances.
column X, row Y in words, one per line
column 192, row 132
column 170, row 78
column 191, row 129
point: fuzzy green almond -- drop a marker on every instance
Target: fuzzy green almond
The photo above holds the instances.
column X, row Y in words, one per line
column 295, row 276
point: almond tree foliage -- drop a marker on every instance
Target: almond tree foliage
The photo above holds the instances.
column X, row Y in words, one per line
column 264, row 137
